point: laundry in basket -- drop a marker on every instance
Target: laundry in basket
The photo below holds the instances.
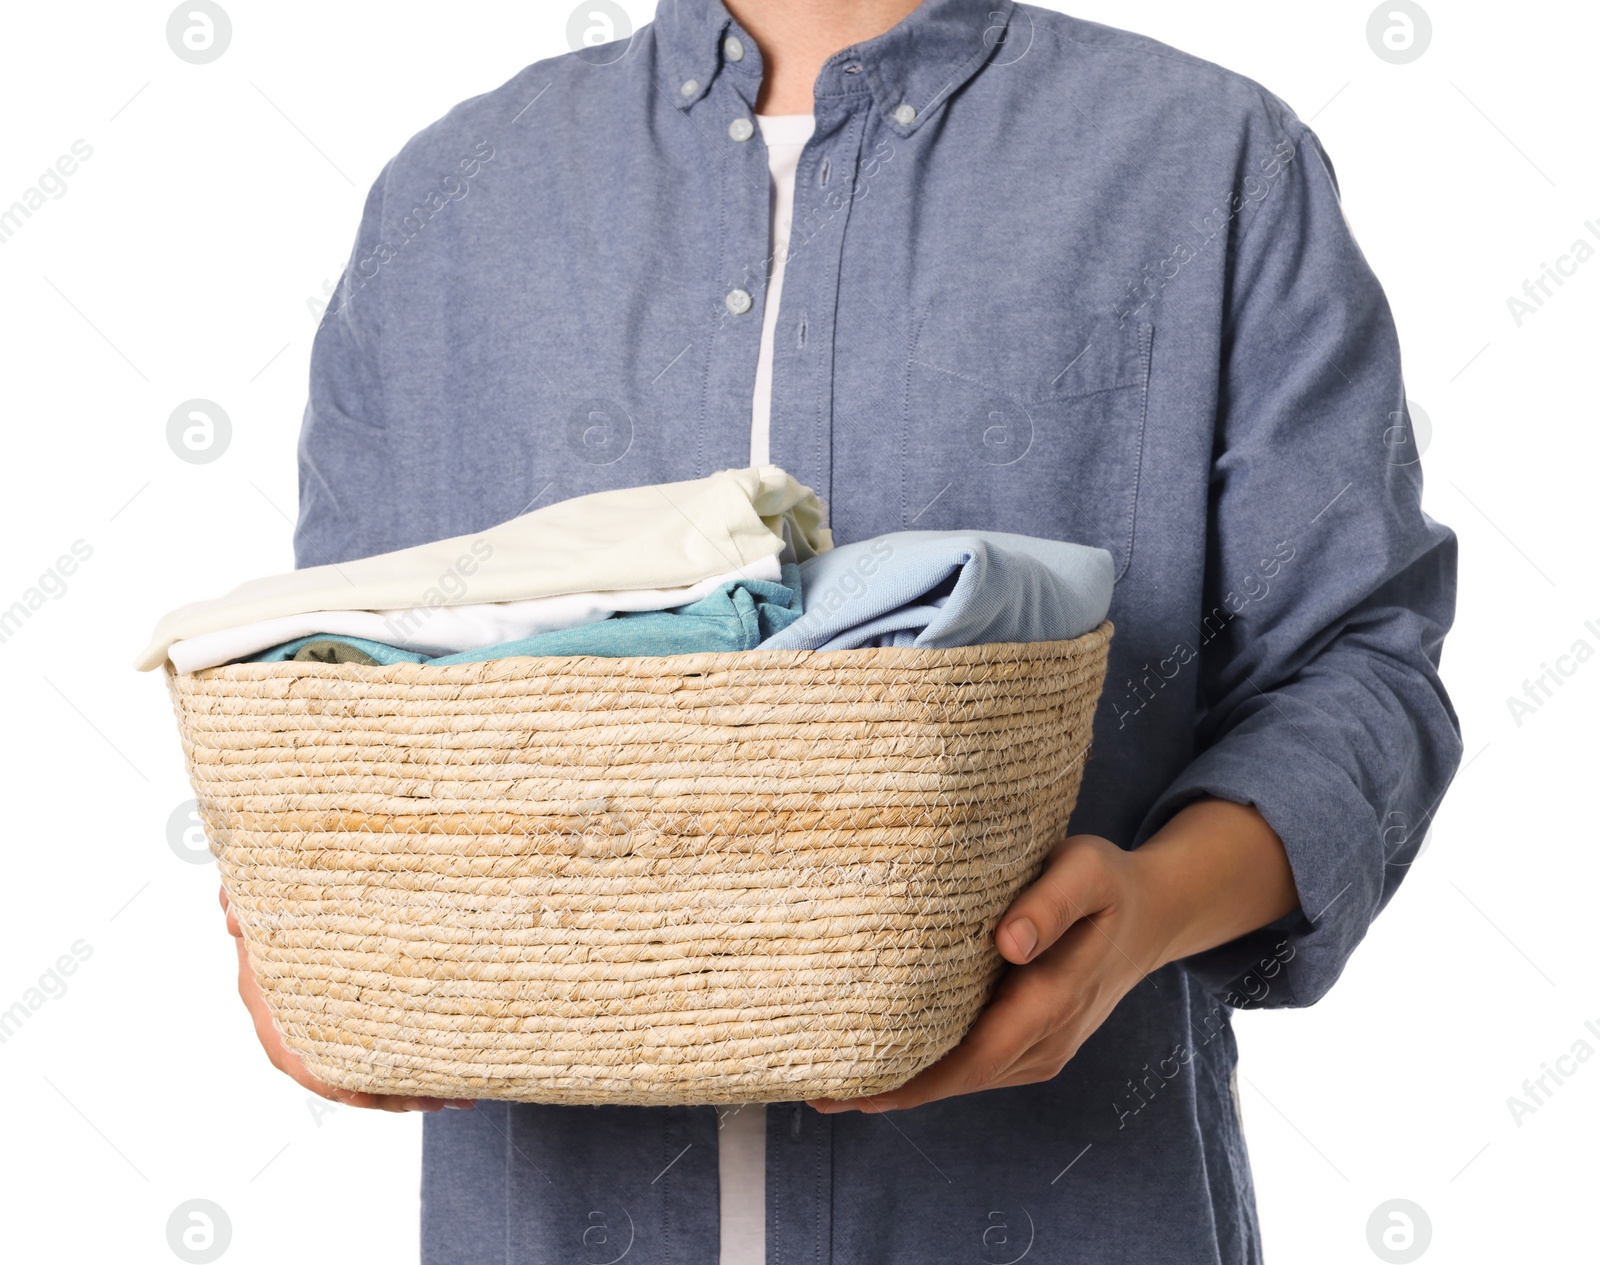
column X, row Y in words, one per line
column 718, row 876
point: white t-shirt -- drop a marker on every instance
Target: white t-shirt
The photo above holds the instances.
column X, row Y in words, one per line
column 742, row 1135
column 785, row 136
column 742, row 1182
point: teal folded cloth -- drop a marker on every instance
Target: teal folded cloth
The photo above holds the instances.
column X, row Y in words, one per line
column 737, row 616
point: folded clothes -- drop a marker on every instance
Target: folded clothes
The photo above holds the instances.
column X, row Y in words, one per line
column 440, row 630
column 948, row 588
column 927, row 589
column 737, row 615
column 663, row 536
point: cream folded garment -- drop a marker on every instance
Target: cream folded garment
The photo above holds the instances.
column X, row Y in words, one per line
column 577, row 561
column 440, row 630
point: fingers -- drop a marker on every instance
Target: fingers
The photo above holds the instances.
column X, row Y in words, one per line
column 1009, row 1029
column 227, row 908
column 296, row 1069
column 1033, row 1026
column 979, row 1062
column 383, row 1102
column 248, row 989
column 1077, row 881
column 995, row 1043
column 369, row 1102
column 1068, row 974
column 292, row 1066
column 373, row 1102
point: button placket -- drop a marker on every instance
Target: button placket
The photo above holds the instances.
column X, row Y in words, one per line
column 742, row 183
column 802, row 366
column 799, row 1184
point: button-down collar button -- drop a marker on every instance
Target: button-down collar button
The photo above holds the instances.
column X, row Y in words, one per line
column 741, row 129
column 904, row 115
column 733, row 48
column 690, row 87
column 738, row 302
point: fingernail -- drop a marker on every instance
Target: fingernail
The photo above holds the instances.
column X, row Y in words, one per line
column 465, row 1104
column 1025, row 936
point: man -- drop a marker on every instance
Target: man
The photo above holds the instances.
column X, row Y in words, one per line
column 1039, row 276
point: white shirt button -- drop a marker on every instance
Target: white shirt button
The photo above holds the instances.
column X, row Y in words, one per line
column 741, row 129
column 738, row 302
column 690, row 87
column 733, row 48
column 904, row 115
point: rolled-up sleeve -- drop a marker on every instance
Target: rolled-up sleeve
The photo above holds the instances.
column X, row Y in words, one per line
column 343, row 445
column 1328, row 592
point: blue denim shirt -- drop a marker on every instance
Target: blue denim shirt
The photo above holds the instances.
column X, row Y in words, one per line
column 1048, row 278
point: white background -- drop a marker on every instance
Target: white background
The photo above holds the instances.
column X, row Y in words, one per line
column 179, row 263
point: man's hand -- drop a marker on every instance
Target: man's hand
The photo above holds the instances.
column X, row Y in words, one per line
column 288, row 1062
column 1097, row 921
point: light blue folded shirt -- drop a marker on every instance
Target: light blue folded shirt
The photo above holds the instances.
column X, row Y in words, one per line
column 948, row 588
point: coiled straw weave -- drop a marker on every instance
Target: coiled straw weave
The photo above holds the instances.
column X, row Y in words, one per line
column 763, row 876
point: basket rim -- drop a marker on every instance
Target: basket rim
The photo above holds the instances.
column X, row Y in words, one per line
column 697, row 664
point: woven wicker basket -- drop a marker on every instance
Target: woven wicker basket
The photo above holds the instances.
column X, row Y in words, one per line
column 763, row 876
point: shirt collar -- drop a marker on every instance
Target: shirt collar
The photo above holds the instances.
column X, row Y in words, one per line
column 911, row 69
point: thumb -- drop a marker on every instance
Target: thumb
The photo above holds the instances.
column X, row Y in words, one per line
column 1076, row 882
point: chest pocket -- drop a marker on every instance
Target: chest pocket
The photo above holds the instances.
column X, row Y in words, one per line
column 1027, row 418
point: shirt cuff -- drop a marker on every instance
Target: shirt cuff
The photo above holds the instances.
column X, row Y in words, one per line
column 1330, row 833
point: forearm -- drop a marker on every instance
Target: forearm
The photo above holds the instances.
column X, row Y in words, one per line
column 1214, row 872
